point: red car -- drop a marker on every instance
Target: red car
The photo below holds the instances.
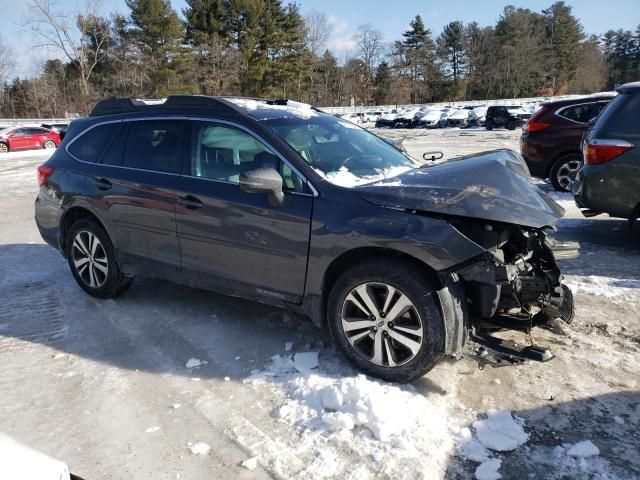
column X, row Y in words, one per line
column 551, row 139
column 27, row 138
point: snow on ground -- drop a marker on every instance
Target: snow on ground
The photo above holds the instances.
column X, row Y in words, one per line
column 84, row 380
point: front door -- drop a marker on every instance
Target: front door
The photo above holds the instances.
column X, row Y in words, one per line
column 233, row 239
column 19, row 139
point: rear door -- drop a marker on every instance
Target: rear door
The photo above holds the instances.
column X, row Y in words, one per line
column 133, row 186
column 233, row 239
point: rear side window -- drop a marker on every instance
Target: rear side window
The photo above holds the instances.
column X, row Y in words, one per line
column 89, row 146
column 620, row 117
column 581, row 113
column 154, row 145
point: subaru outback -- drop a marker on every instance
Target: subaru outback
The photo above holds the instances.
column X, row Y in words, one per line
column 278, row 202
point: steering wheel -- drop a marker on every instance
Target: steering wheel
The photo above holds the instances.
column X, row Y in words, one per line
column 355, row 159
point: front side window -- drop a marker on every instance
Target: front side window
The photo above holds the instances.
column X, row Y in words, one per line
column 154, row 145
column 340, row 151
column 221, row 152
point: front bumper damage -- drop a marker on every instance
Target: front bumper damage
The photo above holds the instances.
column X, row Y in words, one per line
column 515, row 285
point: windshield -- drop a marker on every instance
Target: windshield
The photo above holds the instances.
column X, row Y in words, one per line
column 341, row 152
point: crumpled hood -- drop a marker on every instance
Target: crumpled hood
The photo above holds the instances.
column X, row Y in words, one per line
column 493, row 185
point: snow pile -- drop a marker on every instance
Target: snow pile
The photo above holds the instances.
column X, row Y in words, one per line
column 195, row 363
column 389, row 412
column 199, row 448
column 583, row 449
column 489, row 470
column 607, row 287
column 579, row 460
column 499, row 432
column 403, row 433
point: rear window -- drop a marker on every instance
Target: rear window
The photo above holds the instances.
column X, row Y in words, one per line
column 89, row 146
column 620, row 117
column 581, row 113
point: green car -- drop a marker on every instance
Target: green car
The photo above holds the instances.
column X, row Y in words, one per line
column 609, row 180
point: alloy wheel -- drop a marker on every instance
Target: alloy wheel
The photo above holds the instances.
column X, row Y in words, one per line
column 90, row 259
column 382, row 324
column 49, row 144
column 567, row 173
column 3, row 148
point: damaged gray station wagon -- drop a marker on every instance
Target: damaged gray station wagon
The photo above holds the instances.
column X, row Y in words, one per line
column 275, row 201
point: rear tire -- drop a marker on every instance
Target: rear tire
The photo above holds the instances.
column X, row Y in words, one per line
column 511, row 125
column 92, row 260
column 563, row 172
column 4, row 148
column 488, row 126
column 404, row 338
column 49, row 144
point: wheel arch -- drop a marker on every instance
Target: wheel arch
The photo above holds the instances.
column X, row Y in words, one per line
column 348, row 259
column 559, row 156
column 71, row 216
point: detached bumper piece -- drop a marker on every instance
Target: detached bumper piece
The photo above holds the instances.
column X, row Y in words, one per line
column 498, row 352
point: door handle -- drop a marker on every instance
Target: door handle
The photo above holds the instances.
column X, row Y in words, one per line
column 190, row 202
column 102, row 183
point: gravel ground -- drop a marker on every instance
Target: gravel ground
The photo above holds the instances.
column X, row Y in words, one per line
column 103, row 385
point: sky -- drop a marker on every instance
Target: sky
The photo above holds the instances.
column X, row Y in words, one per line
column 597, row 16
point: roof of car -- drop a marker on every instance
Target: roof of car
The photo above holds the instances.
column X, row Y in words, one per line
column 629, row 87
column 254, row 107
column 600, row 96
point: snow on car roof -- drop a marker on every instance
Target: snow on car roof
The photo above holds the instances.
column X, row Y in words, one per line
column 260, row 109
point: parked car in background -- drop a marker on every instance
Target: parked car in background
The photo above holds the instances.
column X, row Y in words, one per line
column 286, row 205
column 59, row 128
column 386, row 120
column 509, row 117
column 407, row 119
column 609, row 180
column 476, row 117
column 364, row 117
column 551, row 139
column 457, row 117
column 430, row 119
column 27, row 138
column 352, row 117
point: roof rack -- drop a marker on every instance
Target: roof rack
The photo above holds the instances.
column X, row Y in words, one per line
column 129, row 105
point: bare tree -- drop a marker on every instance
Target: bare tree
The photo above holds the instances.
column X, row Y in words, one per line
column 370, row 48
column 81, row 41
column 318, row 30
column 7, row 63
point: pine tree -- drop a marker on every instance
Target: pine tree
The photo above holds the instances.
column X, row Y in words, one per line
column 563, row 34
column 383, row 83
column 415, row 58
column 158, row 32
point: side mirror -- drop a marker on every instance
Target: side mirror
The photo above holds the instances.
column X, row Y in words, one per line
column 432, row 156
column 263, row 180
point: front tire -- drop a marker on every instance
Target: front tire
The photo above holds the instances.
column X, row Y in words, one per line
column 92, row 260
column 383, row 315
column 563, row 173
column 488, row 126
column 49, row 144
